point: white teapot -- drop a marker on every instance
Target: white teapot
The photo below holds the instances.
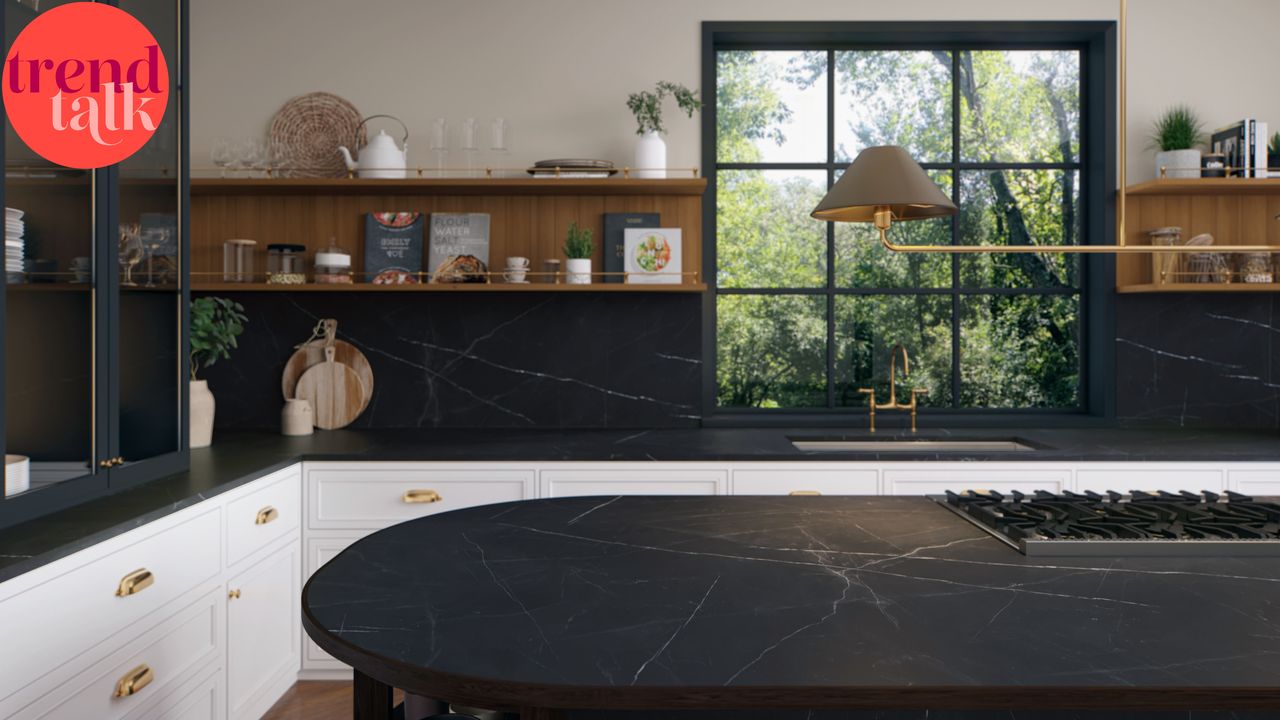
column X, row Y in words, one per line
column 380, row 157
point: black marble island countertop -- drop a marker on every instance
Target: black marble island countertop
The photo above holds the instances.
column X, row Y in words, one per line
column 240, row 457
column 799, row 602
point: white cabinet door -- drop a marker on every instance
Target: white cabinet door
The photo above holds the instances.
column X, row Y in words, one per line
column 1143, row 476
column 937, row 480
column 320, row 551
column 263, row 628
column 1262, row 483
column 787, row 480
column 611, row 480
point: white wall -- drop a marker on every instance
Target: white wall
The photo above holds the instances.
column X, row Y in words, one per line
column 560, row 70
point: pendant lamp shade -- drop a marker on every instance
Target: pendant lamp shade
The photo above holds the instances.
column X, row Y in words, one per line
column 879, row 178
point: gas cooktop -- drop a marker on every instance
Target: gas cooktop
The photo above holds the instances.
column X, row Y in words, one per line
column 1116, row 524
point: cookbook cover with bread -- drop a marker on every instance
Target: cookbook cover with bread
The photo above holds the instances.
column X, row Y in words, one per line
column 393, row 247
column 459, row 251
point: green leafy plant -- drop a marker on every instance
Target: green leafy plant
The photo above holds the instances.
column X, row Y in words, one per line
column 215, row 325
column 647, row 106
column 1177, row 129
column 577, row 244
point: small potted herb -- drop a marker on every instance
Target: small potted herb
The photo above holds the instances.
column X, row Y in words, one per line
column 215, row 325
column 578, row 249
column 1175, row 136
column 651, row 149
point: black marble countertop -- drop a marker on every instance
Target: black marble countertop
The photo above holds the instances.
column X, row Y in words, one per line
column 240, row 457
column 644, row 602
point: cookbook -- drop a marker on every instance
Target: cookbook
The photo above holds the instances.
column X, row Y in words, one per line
column 459, row 251
column 393, row 247
column 615, row 225
column 652, row 255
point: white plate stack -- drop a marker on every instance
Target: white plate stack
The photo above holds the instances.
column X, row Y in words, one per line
column 14, row 229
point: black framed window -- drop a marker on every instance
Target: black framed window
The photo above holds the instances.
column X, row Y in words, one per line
column 803, row 313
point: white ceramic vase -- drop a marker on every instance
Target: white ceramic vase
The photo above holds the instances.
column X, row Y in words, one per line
column 1178, row 163
column 578, row 271
column 297, row 417
column 651, row 156
column 201, row 407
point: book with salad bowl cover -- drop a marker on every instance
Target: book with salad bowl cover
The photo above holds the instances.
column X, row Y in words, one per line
column 652, row 255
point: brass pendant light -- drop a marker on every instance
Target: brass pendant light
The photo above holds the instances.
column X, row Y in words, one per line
column 884, row 185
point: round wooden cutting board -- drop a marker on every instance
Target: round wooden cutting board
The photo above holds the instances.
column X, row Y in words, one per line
column 335, row 391
column 312, row 354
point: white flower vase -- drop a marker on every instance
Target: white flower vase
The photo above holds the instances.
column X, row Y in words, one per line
column 201, row 409
column 578, row 271
column 1178, row 163
column 651, row 156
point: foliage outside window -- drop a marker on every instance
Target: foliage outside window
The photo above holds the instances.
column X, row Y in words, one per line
column 806, row 312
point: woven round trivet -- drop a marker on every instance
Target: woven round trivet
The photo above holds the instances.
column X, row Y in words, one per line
column 312, row 126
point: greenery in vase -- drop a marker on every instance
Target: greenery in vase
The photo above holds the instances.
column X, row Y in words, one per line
column 647, row 106
column 1177, row 129
column 215, row 325
column 577, row 244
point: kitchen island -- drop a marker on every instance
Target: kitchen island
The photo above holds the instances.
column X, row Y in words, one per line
column 579, row 606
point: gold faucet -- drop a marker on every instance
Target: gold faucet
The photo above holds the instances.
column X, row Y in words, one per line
column 893, row 404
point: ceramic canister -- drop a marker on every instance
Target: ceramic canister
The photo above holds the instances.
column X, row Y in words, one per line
column 297, row 417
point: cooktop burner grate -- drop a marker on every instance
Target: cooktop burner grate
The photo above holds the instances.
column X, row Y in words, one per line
column 1113, row 524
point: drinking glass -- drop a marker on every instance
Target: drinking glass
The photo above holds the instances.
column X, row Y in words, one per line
column 440, row 143
column 470, row 143
column 131, row 251
column 153, row 239
column 278, row 158
column 222, row 155
column 250, row 155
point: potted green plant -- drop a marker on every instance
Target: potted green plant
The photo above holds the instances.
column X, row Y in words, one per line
column 578, row 249
column 215, row 325
column 1175, row 136
column 651, row 149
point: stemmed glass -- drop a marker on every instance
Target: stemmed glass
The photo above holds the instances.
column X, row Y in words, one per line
column 278, row 159
column 153, row 239
column 131, row 251
column 250, row 155
column 222, row 155
column 440, row 143
column 498, row 128
column 470, row 143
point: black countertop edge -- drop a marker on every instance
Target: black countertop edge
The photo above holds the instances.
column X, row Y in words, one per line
column 240, row 457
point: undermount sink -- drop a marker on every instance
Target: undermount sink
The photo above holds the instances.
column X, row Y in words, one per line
column 906, row 444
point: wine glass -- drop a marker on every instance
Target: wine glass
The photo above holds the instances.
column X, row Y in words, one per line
column 498, row 128
column 250, row 155
column 131, row 251
column 440, row 143
column 222, row 155
column 279, row 156
column 470, row 143
column 153, row 240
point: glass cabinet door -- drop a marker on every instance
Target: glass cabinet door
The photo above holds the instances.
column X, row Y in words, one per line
column 149, row 368
column 51, row 312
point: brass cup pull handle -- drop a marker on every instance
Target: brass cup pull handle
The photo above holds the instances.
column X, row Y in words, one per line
column 804, row 492
column 135, row 582
column 421, row 496
column 266, row 515
column 134, row 680
column 233, row 594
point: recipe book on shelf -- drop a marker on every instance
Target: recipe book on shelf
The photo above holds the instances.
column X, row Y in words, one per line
column 459, row 251
column 393, row 247
column 653, row 256
column 615, row 226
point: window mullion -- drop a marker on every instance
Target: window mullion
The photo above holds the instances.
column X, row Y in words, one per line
column 831, row 231
column 956, row 306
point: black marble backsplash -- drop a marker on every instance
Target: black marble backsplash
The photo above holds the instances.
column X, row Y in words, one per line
column 605, row 360
column 547, row 360
column 1197, row 359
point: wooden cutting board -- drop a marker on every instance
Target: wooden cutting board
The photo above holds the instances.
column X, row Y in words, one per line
column 312, row 354
column 334, row 390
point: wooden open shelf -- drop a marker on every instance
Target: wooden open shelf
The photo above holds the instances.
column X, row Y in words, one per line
column 1236, row 211
column 449, row 287
column 528, row 218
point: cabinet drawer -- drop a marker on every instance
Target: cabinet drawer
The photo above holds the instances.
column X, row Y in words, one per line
column 785, row 481
column 67, row 616
column 370, row 498
column 606, row 481
column 938, row 481
column 1262, row 483
column 200, row 699
column 268, row 513
column 1123, row 479
column 160, row 659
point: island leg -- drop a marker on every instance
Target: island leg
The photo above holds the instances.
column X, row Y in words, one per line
column 372, row 699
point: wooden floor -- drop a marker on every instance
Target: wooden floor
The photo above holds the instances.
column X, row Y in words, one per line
column 314, row 700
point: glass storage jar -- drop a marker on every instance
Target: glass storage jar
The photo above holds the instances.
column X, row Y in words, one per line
column 1256, row 267
column 333, row 265
column 237, row 260
column 285, row 264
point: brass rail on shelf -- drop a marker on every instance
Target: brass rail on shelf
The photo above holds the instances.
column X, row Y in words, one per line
column 290, row 172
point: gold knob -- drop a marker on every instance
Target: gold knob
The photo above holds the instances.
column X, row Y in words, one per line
column 266, row 515
column 134, row 680
column 234, row 594
column 119, row 460
column 135, row 582
column 104, row 464
column 421, row 496
column 804, row 492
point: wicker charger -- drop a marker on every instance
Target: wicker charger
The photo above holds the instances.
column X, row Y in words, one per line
column 311, row 127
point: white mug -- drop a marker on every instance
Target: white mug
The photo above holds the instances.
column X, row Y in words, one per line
column 514, row 276
column 517, row 263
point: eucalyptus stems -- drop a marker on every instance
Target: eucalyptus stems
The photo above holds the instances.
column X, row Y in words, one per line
column 647, row 106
